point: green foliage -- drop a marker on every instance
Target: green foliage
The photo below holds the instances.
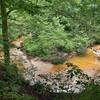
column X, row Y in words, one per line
column 10, row 83
column 64, row 27
column 56, row 26
column 9, row 89
column 18, row 24
column 15, row 96
column 96, row 38
column 48, row 46
column 92, row 93
column 41, row 89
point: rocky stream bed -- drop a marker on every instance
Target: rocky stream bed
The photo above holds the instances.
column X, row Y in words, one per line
column 37, row 71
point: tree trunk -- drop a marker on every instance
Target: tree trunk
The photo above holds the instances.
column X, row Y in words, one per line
column 5, row 32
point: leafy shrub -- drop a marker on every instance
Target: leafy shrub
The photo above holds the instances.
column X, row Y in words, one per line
column 91, row 93
column 48, row 46
column 96, row 38
column 10, row 83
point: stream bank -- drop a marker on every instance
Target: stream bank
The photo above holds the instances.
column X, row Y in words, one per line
column 88, row 62
column 37, row 70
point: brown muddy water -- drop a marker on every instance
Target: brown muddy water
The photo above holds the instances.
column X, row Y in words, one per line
column 89, row 62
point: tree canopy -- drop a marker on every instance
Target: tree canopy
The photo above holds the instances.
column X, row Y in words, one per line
column 56, row 25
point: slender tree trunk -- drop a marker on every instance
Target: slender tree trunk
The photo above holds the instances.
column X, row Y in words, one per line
column 5, row 32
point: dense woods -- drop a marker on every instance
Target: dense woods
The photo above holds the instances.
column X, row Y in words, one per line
column 52, row 31
column 56, row 26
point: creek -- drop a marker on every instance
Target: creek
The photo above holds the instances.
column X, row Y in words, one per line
column 89, row 62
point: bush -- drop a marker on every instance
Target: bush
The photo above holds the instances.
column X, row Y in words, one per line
column 10, row 83
column 91, row 93
column 48, row 46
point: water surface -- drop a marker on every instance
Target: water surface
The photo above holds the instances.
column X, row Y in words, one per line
column 87, row 62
